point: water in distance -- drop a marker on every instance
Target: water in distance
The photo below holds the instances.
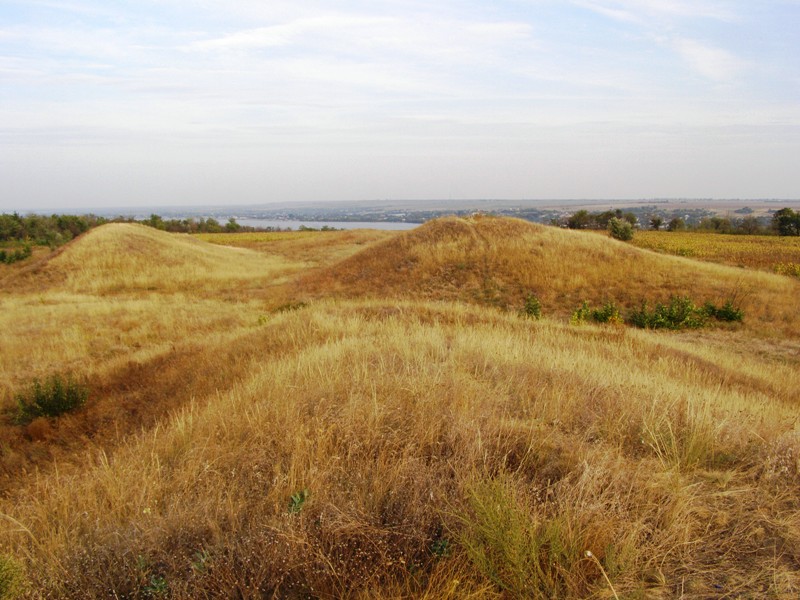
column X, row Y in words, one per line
column 295, row 225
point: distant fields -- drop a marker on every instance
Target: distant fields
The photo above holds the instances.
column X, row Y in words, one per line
column 768, row 253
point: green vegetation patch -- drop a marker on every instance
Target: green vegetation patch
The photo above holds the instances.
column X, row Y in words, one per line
column 680, row 312
column 608, row 313
column 52, row 397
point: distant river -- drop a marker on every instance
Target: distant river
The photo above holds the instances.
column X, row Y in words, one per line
column 295, row 225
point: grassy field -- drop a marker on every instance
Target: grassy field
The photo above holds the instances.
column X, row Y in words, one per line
column 368, row 415
column 766, row 252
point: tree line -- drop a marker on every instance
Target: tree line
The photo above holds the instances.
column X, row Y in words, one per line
column 783, row 222
column 55, row 230
column 18, row 233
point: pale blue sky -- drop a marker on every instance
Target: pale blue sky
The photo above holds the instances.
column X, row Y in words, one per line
column 106, row 103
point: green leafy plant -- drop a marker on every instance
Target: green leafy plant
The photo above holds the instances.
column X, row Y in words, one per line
column 608, row 313
column 50, row 398
column 440, row 547
column 157, row 587
column 727, row 312
column 533, row 307
column 620, row 229
column 201, row 561
column 679, row 313
column 297, row 500
column 8, row 257
column 581, row 315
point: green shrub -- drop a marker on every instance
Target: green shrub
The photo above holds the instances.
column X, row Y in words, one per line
column 727, row 312
column 581, row 315
column 8, row 257
column 50, row 398
column 679, row 313
column 608, row 313
column 532, row 308
column 12, row 578
column 620, row 229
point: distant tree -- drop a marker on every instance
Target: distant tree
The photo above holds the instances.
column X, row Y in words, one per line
column 156, row 222
column 749, row 226
column 676, row 224
column 579, row 220
column 600, row 220
column 232, row 226
column 716, row 224
column 620, row 229
column 656, row 223
column 10, row 227
column 630, row 218
column 786, row 222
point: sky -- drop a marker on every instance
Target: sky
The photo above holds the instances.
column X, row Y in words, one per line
column 197, row 102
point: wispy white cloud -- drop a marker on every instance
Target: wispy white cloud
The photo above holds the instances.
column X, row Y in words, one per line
column 487, row 85
column 639, row 10
column 711, row 62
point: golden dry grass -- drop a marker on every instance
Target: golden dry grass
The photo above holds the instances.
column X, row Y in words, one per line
column 313, row 248
column 393, row 440
column 497, row 262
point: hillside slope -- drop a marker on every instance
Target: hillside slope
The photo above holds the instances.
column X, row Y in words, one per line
column 126, row 257
column 440, row 450
column 498, row 261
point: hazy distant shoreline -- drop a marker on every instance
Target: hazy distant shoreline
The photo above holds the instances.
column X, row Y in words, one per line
column 294, row 225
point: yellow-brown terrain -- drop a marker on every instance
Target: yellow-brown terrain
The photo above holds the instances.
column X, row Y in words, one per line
column 368, row 415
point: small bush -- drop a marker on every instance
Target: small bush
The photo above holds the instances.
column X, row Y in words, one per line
column 727, row 312
column 532, row 308
column 679, row 313
column 608, row 313
column 581, row 315
column 12, row 578
column 50, row 398
column 8, row 257
column 682, row 313
column 620, row 229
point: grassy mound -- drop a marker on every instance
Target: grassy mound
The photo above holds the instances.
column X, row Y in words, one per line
column 125, row 257
column 499, row 262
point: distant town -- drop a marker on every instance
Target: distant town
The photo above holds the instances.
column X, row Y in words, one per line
column 691, row 211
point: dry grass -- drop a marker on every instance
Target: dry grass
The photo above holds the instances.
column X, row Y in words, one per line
column 763, row 252
column 497, row 262
column 418, row 427
column 390, row 447
column 312, row 248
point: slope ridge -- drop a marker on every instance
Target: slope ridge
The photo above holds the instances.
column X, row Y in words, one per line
column 128, row 257
column 498, row 261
